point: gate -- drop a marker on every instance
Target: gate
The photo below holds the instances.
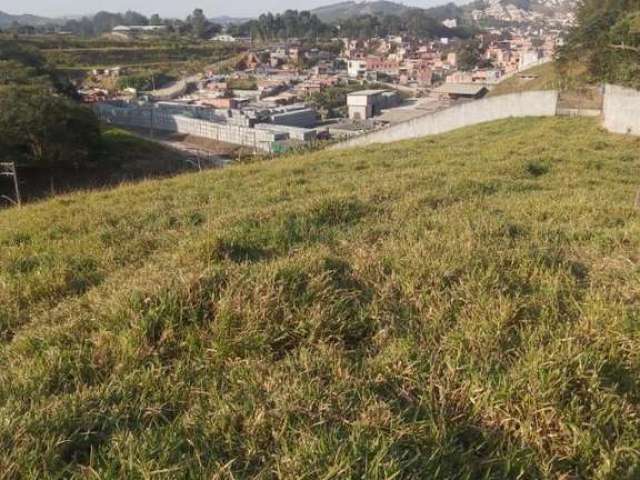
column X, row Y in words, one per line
column 584, row 101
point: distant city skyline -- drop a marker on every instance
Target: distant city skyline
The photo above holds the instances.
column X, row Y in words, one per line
column 170, row 8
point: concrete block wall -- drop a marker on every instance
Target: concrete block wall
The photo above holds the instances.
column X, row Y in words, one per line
column 621, row 110
column 304, row 134
column 525, row 104
column 303, row 118
column 143, row 118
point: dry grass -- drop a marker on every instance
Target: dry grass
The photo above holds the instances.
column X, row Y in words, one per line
column 572, row 82
column 462, row 306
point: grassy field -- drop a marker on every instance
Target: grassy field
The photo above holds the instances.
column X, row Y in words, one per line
column 462, row 306
column 545, row 77
column 575, row 90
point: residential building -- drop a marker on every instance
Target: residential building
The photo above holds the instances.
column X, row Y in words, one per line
column 368, row 103
column 356, row 68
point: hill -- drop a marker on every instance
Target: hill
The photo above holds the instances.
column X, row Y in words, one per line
column 524, row 10
column 542, row 77
column 351, row 9
column 507, row 10
column 535, row 5
column 226, row 20
column 461, row 306
column 570, row 78
column 7, row 20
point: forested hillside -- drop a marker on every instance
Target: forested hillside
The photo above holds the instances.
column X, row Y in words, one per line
column 607, row 40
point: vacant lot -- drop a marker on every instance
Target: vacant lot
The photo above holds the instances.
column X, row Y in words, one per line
column 462, row 306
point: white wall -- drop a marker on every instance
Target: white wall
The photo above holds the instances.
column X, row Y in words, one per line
column 526, row 104
column 144, row 118
column 621, row 110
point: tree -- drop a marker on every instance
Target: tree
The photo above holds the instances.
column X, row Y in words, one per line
column 469, row 55
column 45, row 130
column 22, row 65
column 606, row 39
column 135, row 18
column 104, row 22
column 199, row 23
column 155, row 19
column 13, row 72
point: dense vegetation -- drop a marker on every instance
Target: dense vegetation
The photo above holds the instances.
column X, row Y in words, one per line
column 40, row 123
column 414, row 22
column 303, row 24
column 144, row 53
column 462, row 306
column 607, row 40
column 194, row 25
column 25, row 66
column 290, row 24
column 41, row 129
column 294, row 24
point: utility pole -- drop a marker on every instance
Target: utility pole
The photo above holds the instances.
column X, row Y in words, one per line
column 153, row 86
column 151, row 121
column 8, row 169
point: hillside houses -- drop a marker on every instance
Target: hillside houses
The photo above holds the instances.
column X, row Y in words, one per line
column 423, row 63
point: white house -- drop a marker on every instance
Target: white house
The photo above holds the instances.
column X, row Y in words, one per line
column 450, row 23
column 224, row 37
column 356, row 68
column 138, row 28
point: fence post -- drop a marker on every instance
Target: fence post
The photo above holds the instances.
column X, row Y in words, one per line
column 151, row 121
column 8, row 169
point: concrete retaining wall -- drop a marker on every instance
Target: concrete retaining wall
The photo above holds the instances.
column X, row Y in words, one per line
column 621, row 110
column 175, row 90
column 303, row 118
column 295, row 133
column 147, row 117
column 525, row 104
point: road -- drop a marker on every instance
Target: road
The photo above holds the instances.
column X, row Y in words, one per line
column 413, row 108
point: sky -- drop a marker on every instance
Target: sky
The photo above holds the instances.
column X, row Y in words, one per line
column 171, row 8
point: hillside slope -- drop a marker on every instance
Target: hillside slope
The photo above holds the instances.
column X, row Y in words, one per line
column 351, row 9
column 542, row 77
column 462, row 306
column 6, row 20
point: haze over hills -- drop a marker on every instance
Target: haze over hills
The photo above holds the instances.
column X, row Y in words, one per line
column 501, row 9
column 521, row 10
column 494, row 8
column 7, row 19
column 349, row 9
column 227, row 20
column 344, row 10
